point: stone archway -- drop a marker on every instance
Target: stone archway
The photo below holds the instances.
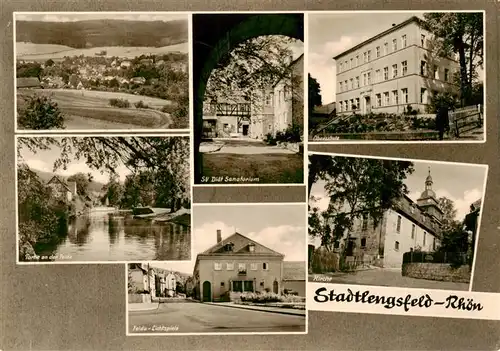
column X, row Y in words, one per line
column 214, row 37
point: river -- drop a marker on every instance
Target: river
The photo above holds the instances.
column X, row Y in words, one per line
column 101, row 236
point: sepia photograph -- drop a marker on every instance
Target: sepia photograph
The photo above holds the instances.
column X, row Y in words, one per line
column 246, row 276
column 101, row 71
column 103, row 199
column 397, row 76
column 394, row 222
column 248, row 98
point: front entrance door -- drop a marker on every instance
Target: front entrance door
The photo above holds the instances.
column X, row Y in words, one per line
column 275, row 287
column 350, row 248
column 368, row 105
column 245, row 129
column 207, row 292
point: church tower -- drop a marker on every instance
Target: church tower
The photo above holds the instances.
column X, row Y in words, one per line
column 428, row 201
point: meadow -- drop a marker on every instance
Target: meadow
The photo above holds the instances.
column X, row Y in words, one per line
column 85, row 107
column 34, row 52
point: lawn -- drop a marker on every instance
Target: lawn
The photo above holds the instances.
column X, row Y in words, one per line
column 88, row 106
column 268, row 168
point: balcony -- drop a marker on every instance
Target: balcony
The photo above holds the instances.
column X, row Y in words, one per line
column 242, row 272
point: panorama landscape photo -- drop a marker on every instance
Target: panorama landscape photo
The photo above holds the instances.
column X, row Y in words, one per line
column 101, row 71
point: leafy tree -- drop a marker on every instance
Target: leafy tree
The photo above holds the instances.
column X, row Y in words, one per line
column 314, row 94
column 461, row 33
column 449, row 211
column 114, row 190
column 319, row 168
column 358, row 187
column 41, row 112
column 49, row 63
column 250, row 69
column 179, row 288
column 167, row 158
column 29, row 70
column 40, row 215
column 454, row 237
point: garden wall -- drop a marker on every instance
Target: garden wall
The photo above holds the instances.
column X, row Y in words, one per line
column 411, row 135
column 437, row 271
column 324, row 261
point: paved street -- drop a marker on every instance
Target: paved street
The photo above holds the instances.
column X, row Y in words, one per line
column 385, row 277
column 244, row 146
column 194, row 317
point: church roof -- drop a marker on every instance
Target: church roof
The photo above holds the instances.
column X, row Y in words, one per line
column 412, row 211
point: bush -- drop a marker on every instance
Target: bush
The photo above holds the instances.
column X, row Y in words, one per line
column 121, row 103
column 269, row 139
column 265, row 297
column 40, row 113
column 140, row 104
column 169, row 108
column 292, row 134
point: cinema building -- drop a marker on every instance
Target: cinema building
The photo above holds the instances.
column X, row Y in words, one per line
column 393, row 70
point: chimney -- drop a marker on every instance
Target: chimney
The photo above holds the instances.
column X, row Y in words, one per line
column 219, row 236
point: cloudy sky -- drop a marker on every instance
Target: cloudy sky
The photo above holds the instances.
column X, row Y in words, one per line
column 463, row 184
column 75, row 16
column 331, row 34
column 44, row 161
column 279, row 227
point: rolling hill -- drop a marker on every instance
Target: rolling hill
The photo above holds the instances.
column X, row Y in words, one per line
column 102, row 33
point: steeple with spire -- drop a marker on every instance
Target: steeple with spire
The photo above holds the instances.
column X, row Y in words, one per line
column 428, row 201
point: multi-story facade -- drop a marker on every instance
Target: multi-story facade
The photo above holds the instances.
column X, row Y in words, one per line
column 407, row 226
column 159, row 282
column 288, row 98
column 236, row 264
column 270, row 110
column 392, row 70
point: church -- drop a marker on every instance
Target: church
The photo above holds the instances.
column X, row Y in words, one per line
column 406, row 226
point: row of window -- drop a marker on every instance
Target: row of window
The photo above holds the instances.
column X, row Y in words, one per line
column 396, row 245
column 229, row 266
column 413, row 231
column 367, row 55
column 383, row 75
column 354, row 83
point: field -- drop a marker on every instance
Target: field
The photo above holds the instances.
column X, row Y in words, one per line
column 86, row 109
column 30, row 51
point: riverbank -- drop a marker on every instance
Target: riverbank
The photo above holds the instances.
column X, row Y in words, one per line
column 182, row 217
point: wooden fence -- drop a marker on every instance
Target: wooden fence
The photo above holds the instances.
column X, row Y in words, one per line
column 465, row 119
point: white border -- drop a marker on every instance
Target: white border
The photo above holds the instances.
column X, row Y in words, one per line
column 193, row 259
column 30, row 263
column 83, row 131
column 483, row 194
column 380, row 141
column 489, row 302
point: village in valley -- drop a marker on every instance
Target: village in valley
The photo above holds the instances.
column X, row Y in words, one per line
column 101, row 81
